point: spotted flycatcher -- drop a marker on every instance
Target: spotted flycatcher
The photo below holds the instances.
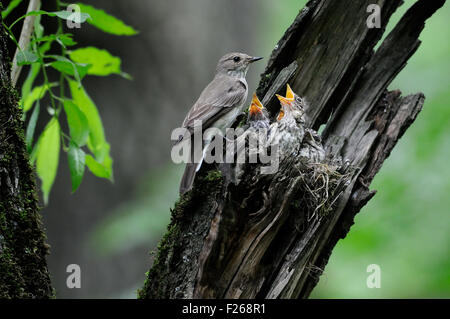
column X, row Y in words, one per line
column 217, row 107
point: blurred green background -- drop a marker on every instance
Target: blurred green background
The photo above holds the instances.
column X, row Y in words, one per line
column 109, row 229
column 405, row 228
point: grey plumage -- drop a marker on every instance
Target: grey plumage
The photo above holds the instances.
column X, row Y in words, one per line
column 312, row 148
column 288, row 131
column 257, row 117
column 218, row 105
column 258, row 121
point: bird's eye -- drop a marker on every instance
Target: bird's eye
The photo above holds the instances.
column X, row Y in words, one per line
column 236, row 59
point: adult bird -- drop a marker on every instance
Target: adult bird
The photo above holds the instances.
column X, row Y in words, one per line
column 217, row 107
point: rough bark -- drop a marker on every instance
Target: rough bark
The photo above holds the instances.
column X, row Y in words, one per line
column 23, row 268
column 259, row 237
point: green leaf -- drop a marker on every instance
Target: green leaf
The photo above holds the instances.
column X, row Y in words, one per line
column 31, row 13
column 32, row 74
column 106, row 22
column 76, row 158
column 31, row 127
column 33, row 154
column 69, row 68
column 65, row 39
column 78, row 123
column 37, row 94
column 103, row 63
column 66, row 60
column 26, row 57
column 63, row 14
column 11, row 6
column 97, row 143
column 47, row 156
column 38, row 27
column 45, row 47
column 77, row 17
column 102, row 170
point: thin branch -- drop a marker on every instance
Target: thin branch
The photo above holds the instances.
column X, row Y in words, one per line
column 24, row 39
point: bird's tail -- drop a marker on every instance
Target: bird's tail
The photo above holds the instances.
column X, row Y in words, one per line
column 188, row 178
column 189, row 175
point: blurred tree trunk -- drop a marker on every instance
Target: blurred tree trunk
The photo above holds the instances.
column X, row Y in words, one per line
column 23, row 268
column 260, row 238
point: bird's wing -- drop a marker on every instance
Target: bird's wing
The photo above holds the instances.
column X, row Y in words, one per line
column 217, row 99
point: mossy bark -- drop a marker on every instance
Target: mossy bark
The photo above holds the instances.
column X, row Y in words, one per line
column 23, row 267
column 189, row 222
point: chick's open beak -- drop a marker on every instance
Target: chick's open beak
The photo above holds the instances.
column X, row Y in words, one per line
column 289, row 92
column 256, row 101
column 283, row 100
column 256, row 105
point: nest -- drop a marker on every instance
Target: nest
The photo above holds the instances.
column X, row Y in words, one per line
column 322, row 184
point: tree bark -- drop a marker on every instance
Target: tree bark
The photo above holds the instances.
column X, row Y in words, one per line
column 23, row 268
column 270, row 236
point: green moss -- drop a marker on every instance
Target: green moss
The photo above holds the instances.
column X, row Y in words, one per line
column 11, row 283
column 264, row 83
column 170, row 249
column 23, row 269
column 180, row 205
column 212, row 176
column 161, row 262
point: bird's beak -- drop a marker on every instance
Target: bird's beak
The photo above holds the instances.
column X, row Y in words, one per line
column 254, row 59
column 283, row 100
column 256, row 101
column 280, row 115
column 289, row 92
column 256, row 105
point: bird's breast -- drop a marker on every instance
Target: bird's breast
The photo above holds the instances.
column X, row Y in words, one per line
column 227, row 119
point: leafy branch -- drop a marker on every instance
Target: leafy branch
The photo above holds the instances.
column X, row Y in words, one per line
column 85, row 143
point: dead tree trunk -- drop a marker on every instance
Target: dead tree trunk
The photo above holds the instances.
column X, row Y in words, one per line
column 23, row 268
column 261, row 237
